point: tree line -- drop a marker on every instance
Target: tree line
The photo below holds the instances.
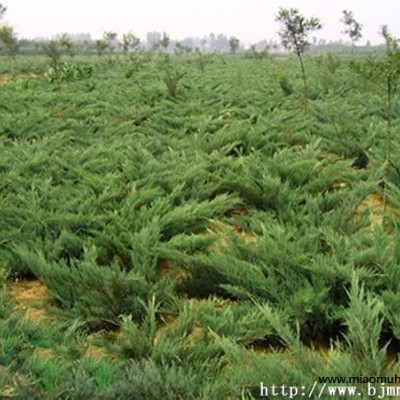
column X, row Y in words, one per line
column 112, row 43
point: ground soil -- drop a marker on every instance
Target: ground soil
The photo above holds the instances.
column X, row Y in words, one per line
column 33, row 298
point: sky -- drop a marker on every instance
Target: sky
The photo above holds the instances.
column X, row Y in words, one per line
column 249, row 20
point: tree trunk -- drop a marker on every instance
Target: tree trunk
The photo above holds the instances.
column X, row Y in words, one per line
column 305, row 84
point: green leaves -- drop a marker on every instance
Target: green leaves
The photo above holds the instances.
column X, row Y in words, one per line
column 353, row 28
column 199, row 242
column 364, row 320
column 8, row 41
column 295, row 29
column 3, row 9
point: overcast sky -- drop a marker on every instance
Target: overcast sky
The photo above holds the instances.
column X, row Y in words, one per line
column 249, row 20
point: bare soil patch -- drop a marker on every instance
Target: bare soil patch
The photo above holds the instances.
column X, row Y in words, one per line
column 375, row 206
column 32, row 297
column 6, row 78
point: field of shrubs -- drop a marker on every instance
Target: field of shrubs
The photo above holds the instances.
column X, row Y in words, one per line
column 182, row 227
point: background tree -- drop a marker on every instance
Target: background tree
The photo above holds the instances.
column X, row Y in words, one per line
column 293, row 34
column 389, row 70
column 353, row 28
column 233, row 45
column 112, row 40
column 3, row 9
column 129, row 42
column 52, row 50
column 68, row 44
column 165, row 41
column 9, row 42
column 101, row 46
column 181, row 48
column 255, row 53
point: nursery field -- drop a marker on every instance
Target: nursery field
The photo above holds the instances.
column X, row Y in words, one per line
column 183, row 227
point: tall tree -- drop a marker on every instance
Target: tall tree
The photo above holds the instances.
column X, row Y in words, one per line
column 293, row 34
column 352, row 27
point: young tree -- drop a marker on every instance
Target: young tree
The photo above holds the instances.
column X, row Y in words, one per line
column 233, row 45
column 385, row 72
column 111, row 38
column 353, row 28
column 2, row 11
column 52, row 50
column 67, row 43
column 9, row 42
column 165, row 41
column 293, row 34
column 390, row 72
column 129, row 42
column 182, row 48
column 101, row 46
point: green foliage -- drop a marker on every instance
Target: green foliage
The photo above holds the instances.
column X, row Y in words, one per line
column 363, row 318
column 193, row 248
column 130, row 42
column 98, row 293
column 233, row 44
column 67, row 72
column 293, row 34
column 172, row 79
column 3, row 9
column 255, row 54
column 164, row 41
column 8, row 41
column 53, row 52
column 353, row 28
column 67, row 44
column 295, row 29
column 102, row 45
column 386, row 73
column 201, row 60
column 285, row 85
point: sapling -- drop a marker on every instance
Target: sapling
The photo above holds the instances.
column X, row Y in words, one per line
column 165, row 41
column 386, row 74
column 2, row 11
column 9, row 42
column 201, row 59
column 112, row 40
column 353, row 28
column 52, row 49
column 233, row 45
column 293, row 34
column 172, row 77
column 130, row 42
column 390, row 71
column 67, row 44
